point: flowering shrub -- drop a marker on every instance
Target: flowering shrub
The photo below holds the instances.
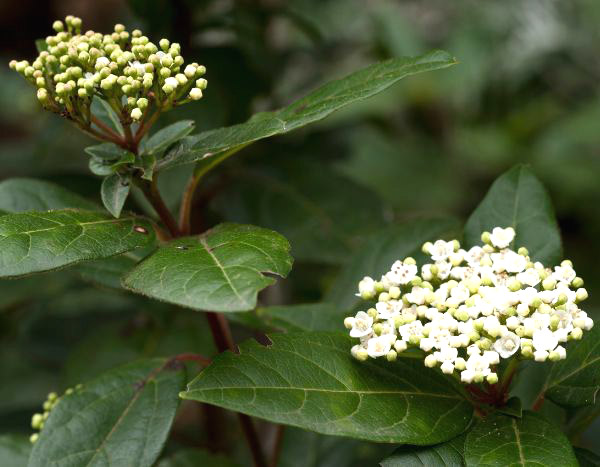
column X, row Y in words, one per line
column 482, row 310
column 471, row 308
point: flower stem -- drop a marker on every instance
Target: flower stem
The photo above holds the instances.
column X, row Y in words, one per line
column 224, row 341
column 150, row 190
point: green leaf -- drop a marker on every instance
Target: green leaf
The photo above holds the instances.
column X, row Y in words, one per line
column 314, row 107
column 575, row 381
column 586, row 458
column 41, row 45
column 220, row 270
column 106, row 151
column 513, row 408
column 301, row 448
column 502, row 440
column 309, row 380
column 449, row 454
column 121, row 418
column 42, row 241
column 146, row 163
column 102, row 110
column 114, row 192
column 28, row 194
column 109, row 271
column 196, row 458
column 165, row 137
column 306, row 317
column 104, row 167
column 379, row 252
column 519, row 200
column 308, row 204
column 14, row 450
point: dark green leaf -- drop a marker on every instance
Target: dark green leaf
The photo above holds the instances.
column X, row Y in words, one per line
column 380, row 251
column 586, row 458
column 106, row 151
column 121, row 418
column 146, row 163
column 165, row 137
column 42, row 241
column 314, row 107
column 308, row 204
column 220, row 270
column 41, row 45
column 14, row 450
column 102, row 110
column 575, row 381
column 309, row 380
column 301, row 448
column 306, row 317
column 196, row 458
column 532, row 440
column 108, row 272
column 27, row 194
column 518, row 199
column 449, row 454
column 114, row 191
column 513, row 407
column 103, row 167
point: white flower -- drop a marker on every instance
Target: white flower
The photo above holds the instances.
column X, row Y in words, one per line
column 564, row 274
column 514, row 262
column 102, row 62
column 363, row 325
column 172, row 82
column 501, row 238
column 441, row 250
column 401, row 273
column 379, row 346
column 478, row 364
column 474, row 256
column 366, row 288
column 417, row 295
column 507, row 345
column 140, row 68
column 529, row 277
column 387, row 310
column 411, row 329
column 544, row 339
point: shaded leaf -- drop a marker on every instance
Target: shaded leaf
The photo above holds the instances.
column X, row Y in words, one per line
column 305, row 317
column 106, row 151
column 14, row 450
column 114, row 192
column 575, row 381
column 28, row 194
column 519, row 200
column 308, row 204
column 532, row 440
column 309, row 380
column 165, row 137
column 513, row 407
column 220, row 270
column 121, row 418
column 379, row 252
column 42, row 241
column 101, row 109
column 109, row 271
column 586, row 458
column 314, row 107
column 196, row 458
column 103, row 167
column 449, row 454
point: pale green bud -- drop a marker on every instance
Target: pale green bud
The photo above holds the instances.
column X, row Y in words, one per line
column 33, row 438
column 37, row 421
column 165, row 72
column 430, row 361
column 372, row 312
column 361, row 354
column 485, row 238
column 581, row 295
column 576, row 333
column 136, row 114
column 549, row 283
column 492, row 378
column 81, row 92
column 523, row 251
column 58, row 26
column 166, row 61
column 164, row 44
column 554, row 356
column 196, row 94
column 384, row 297
column 391, row 356
column 394, row 291
column 527, row 352
column 181, row 79
column 142, row 103
column 40, row 82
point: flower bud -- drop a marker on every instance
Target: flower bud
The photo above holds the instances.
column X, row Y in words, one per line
column 581, row 295
column 391, row 356
column 136, row 114
column 492, row 378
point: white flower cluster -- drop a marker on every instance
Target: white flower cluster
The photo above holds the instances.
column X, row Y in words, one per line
column 116, row 67
column 468, row 309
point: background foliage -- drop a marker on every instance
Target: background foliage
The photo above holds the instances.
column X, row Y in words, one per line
column 525, row 92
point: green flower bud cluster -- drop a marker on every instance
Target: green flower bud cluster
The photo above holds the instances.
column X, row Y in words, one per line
column 124, row 68
column 39, row 419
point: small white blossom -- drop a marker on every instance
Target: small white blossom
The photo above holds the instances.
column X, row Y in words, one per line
column 501, row 238
column 362, row 325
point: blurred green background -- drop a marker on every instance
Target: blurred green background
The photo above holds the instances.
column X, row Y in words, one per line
column 525, row 91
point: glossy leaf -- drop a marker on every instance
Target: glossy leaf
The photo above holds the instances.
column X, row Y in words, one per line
column 314, row 107
column 309, row 380
column 14, row 450
column 575, row 381
column 519, row 200
column 28, row 194
column 532, row 440
column 42, row 241
column 121, row 418
column 513, row 408
column 168, row 135
column 308, row 204
column 379, row 252
column 114, row 192
column 220, row 270
column 449, row 454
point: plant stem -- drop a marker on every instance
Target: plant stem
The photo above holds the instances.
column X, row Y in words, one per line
column 224, row 341
column 278, row 444
column 507, row 378
column 150, row 190
column 145, row 126
column 100, row 124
